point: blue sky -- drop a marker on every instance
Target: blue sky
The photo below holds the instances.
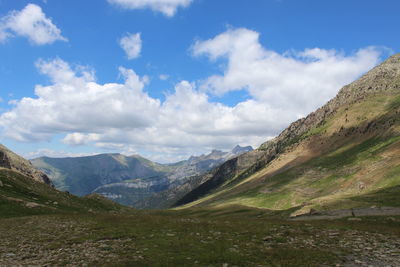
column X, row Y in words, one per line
column 206, row 74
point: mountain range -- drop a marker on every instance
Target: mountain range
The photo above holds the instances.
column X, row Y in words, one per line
column 128, row 180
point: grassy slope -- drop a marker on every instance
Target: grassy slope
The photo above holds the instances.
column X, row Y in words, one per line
column 21, row 196
column 353, row 153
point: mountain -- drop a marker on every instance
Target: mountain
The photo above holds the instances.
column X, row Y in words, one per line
column 10, row 160
column 25, row 190
column 343, row 155
column 82, row 175
column 188, row 176
column 127, row 180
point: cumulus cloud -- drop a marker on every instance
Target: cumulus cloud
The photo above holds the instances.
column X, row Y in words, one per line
column 76, row 103
column 131, row 44
column 123, row 117
column 300, row 81
column 31, row 23
column 167, row 7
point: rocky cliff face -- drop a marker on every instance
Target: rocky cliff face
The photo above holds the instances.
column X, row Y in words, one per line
column 10, row 160
column 383, row 78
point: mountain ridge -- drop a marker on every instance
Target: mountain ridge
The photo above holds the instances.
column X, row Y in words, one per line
column 12, row 161
column 127, row 179
column 382, row 81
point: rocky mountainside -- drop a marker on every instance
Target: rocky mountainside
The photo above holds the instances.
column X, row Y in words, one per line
column 162, row 192
column 10, row 160
column 196, row 165
column 82, row 175
column 342, row 152
column 128, row 179
column 168, row 198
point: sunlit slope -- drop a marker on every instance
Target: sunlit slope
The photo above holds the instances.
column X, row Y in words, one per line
column 346, row 154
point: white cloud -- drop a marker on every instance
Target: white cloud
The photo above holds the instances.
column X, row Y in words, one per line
column 297, row 81
column 31, row 23
column 131, row 44
column 167, row 7
column 123, row 117
column 76, row 103
column 163, row 77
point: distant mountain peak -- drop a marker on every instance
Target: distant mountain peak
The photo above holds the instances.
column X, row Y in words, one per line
column 241, row 149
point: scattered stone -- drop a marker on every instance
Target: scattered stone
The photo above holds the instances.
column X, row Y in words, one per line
column 1, row 183
column 313, row 212
column 32, row 205
column 268, row 238
column 354, row 219
column 391, row 219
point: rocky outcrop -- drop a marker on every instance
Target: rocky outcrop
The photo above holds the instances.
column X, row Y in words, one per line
column 10, row 160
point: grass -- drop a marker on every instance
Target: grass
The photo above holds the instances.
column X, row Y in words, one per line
column 394, row 104
column 324, row 179
column 17, row 191
column 94, row 231
column 236, row 236
column 386, row 197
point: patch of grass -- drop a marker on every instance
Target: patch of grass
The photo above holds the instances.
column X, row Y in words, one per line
column 367, row 150
column 385, row 197
column 394, row 104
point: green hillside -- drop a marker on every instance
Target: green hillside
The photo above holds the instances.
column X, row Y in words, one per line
column 22, row 196
column 336, row 158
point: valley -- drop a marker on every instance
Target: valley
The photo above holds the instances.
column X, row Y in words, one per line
column 325, row 192
column 131, row 180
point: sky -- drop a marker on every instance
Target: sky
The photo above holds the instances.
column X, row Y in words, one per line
column 168, row 79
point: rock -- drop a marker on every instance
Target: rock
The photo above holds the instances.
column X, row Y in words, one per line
column 361, row 186
column 225, row 265
column 268, row 239
column 313, row 212
column 391, row 219
column 32, row 205
column 354, row 219
column 1, row 183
